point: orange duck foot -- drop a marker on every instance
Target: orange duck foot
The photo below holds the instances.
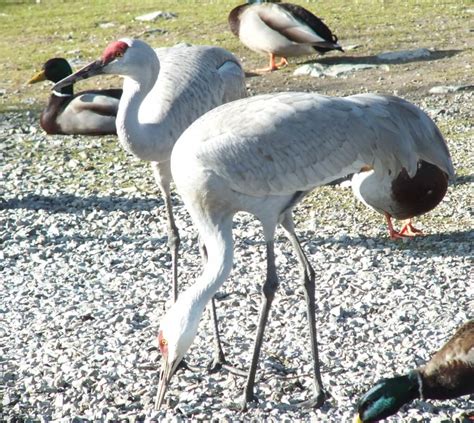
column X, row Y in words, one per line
column 407, row 231
column 273, row 66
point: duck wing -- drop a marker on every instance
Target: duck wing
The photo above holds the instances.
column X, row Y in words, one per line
column 297, row 24
column 101, row 102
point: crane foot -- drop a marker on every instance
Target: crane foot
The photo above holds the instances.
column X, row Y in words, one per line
column 183, row 365
column 248, row 398
column 219, row 364
column 316, row 402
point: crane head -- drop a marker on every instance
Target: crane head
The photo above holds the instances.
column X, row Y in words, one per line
column 114, row 61
column 177, row 332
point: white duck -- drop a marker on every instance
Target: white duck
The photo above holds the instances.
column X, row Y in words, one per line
column 262, row 155
column 164, row 91
column 280, row 29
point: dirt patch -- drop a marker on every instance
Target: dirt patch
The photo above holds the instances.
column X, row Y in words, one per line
column 411, row 78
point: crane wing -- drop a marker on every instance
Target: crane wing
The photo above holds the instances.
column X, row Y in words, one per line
column 287, row 142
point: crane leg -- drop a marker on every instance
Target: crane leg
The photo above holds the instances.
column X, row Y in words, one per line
column 268, row 290
column 173, row 243
column 309, row 289
column 162, row 173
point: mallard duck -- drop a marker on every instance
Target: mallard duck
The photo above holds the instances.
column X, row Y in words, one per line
column 449, row 374
column 89, row 112
column 402, row 197
column 280, row 29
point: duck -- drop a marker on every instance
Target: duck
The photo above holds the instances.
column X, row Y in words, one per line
column 448, row 375
column 280, row 29
column 401, row 196
column 90, row 112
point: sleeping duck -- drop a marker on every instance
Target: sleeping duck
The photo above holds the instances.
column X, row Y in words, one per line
column 89, row 112
column 449, row 374
column 280, row 29
column 402, row 197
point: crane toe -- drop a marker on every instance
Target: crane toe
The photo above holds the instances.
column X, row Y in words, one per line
column 315, row 402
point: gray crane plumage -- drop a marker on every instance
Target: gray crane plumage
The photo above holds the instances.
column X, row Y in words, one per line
column 262, row 155
column 296, row 141
column 164, row 91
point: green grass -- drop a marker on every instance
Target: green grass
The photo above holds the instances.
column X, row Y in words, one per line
column 31, row 33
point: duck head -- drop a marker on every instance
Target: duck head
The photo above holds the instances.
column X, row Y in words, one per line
column 386, row 398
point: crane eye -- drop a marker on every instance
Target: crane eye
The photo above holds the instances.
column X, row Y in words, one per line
column 163, row 342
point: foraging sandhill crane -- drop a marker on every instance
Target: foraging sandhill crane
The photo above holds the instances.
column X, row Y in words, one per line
column 403, row 197
column 280, row 29
column 262, row 155
column 164, row 91
column 90, row 112
column 449, row 374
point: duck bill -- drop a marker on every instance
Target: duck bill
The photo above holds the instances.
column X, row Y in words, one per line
column 40, row 76
column 357, row 419
column 167, row 371
column 92, row 69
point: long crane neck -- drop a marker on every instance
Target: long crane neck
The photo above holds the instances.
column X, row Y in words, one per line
column 184, row 316
column 138, row 112
column 219, row 247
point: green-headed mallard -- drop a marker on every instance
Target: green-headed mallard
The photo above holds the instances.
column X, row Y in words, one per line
column 449, row 374
column 90, row 112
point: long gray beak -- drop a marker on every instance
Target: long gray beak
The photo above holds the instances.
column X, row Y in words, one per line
column 92, row 69
column 167, row 371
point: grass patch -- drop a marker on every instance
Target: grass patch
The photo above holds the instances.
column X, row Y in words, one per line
column 33, row 33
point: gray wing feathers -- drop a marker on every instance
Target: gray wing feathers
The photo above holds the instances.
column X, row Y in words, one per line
column 194, row 80
column 279, row 144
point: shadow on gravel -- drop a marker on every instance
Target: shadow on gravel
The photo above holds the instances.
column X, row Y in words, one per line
column 374, row 59
column 428, row 244
column 69, row 203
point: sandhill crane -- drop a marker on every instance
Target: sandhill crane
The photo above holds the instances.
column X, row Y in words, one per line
column 90, row 112
column 164, row 91
column 262, row 155
column 280, row 29
column 449, row 374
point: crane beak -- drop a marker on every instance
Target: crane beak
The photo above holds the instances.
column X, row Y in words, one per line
column 92, row 69
column 167, row 371
column 38, row 77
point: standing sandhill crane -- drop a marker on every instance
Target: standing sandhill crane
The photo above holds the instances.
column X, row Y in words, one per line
column 280, row 29
column 262, row 155
column 164, row 91
column 449, row 374
column 90, row 112
column 403, row 197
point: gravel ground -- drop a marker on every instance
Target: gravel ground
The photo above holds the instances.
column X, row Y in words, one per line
column 85, row 274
